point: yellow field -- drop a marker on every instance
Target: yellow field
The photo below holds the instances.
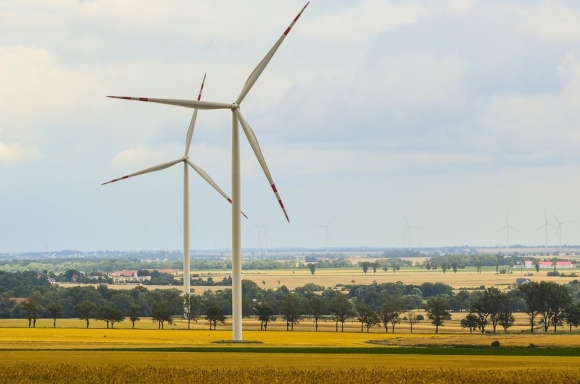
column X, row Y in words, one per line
column 467, row 278
column 67, row 373
column 79, row 337
column 62, row 362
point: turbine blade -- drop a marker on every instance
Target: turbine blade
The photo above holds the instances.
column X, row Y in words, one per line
column 541, row 227
column 260, row 68
column 502, row 229
column 258, row 152
column 405, row 232
column 556, row 219
column 210, row 181
column 148, row 170
column 195, row 104
column 189, row 135
column 407, row 220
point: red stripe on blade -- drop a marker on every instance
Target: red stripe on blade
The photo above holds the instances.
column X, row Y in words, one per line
column 230, row 200
column 281, row 204
column 274, row 188
column 287, row 30
column 143, row 99
column 126, row 98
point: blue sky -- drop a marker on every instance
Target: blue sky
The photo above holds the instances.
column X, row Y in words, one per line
column 451, row 113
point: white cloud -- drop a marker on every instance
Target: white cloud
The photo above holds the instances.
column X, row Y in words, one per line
column 16, row 153
column 551, row 20
column 541, row 123
column 37, row 90
column 131, row 159
column 365, row 21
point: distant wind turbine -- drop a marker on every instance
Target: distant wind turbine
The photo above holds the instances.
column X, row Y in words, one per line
column 559, row 228
column 259, row 237
column 546, row 225
column 186, row 162
column 507, row 228
column 266, row 226
column 409, row 228
column 326, row 230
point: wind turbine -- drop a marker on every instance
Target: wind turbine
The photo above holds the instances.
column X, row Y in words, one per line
column 236, row 188
column 266, row 233
column 546, row 225
column 559, row 228
column 507, row 228
column 326, row 230
column 409, row 231
column 259, row 237
column 186, row 162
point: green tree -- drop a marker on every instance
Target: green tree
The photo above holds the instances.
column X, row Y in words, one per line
column 133, row 314
column 265, row 314
column 342, row 309
column 191, row 307
column 437, row 311
column 365, row 266
column 86, row 310
column 478, row 265
column 32, row 308
column 454, row 266
column 367, row 317
column 214, row 314
column 471, row 322
column 291, row 310
column 110, row 315
column 506, row 318
column 312, row 267
column 161, row 313
column 390, row 312
column 530, row 292
column 55, row 310
column 317, row 308
column 412, row 318
column 572, row 315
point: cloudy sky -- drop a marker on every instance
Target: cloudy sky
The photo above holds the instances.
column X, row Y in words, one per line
column 453, row 113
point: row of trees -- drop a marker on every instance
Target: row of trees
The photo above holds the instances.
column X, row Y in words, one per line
column 546, row 303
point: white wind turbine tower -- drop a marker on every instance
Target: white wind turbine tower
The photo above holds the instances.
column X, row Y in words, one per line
column 409, row 228
column 326, row 231
column 236, row 189
column 559, row 228
column 186, row 164
column 507, row 228
column 546, row 225
column 266, row 226
column 259, row 237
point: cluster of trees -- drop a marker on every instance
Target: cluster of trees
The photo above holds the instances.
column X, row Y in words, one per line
column 547, row 304
column 394, row 264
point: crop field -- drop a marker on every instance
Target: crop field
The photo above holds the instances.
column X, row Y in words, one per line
column 272, row 279
column 98, row 355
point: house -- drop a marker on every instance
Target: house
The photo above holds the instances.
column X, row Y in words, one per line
column 548, row 264
column 522, row 280
column 128, row 276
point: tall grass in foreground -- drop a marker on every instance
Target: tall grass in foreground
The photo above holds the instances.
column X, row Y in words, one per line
column 67, row 373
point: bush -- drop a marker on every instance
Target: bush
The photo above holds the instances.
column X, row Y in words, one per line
column 495, row 344
column 553, row 273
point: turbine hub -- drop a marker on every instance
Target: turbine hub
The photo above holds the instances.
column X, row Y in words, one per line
column 235, row 106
